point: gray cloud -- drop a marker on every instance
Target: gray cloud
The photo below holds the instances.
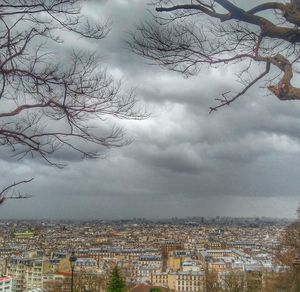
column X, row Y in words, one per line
column 242, row 160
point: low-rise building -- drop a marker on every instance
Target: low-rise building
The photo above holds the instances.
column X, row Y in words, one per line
column 7, row 284
column 27, row 273
column 180, row 281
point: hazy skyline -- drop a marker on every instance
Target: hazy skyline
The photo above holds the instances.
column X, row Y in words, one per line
column 243, row 160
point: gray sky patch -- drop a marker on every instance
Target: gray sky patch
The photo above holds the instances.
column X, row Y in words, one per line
column 241, row 161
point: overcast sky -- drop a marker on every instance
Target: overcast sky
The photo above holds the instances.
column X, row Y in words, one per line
column 241, row 161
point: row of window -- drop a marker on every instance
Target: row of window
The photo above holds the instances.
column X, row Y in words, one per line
column 189, row 283
column 5, row 283
column 188, row 277
column 190, row 289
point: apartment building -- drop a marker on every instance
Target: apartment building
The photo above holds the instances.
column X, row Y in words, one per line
column 27, row 273
column 181, row 281
column 7, row 284
column 190, row 281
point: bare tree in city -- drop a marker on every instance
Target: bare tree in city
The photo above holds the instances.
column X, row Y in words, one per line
column 55, row 99
column 262, row 42
column 234, row 282
column 212, row 283
column 287, row 257
column 85, row 282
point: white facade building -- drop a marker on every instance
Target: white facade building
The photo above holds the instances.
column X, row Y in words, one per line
column 6, row 284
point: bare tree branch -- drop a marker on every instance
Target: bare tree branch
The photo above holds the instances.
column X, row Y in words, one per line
column 52, row 99
column 53, row 103
column 9, row 192
column 197, row 34
column 228, row 101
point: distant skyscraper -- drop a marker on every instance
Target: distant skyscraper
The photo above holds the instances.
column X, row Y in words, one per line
column 298, row 212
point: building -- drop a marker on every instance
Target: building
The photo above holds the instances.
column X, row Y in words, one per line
column 86, row 264
column 144, row 267
column 27, row 272
column 175, row 259
column 189, row 281
column 168, row 246
column 174, row 263
column 7, row 284
column 147, row 260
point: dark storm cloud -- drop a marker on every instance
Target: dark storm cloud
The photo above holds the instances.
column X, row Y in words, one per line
column 183, row 161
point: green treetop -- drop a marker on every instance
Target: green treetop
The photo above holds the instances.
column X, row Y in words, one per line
column 116, row 282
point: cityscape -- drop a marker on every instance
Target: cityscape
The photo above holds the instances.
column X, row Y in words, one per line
column 149, row 146
column 170, row 255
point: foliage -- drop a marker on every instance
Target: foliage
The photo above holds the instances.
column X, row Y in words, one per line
column 89, row 282
column 212, row 282
column 84, row 281
column 234, row 282
column 116, row 282
column 280, row 282
column 253, row 281
column 287, row 255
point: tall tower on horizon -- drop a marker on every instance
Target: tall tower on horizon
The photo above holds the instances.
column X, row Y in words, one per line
column 298, row 212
